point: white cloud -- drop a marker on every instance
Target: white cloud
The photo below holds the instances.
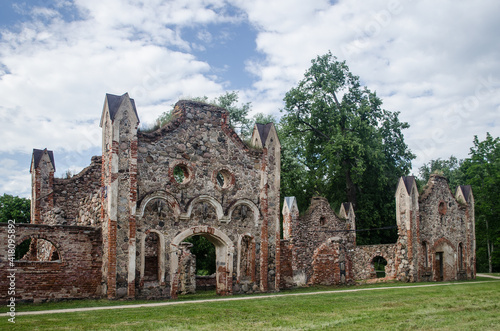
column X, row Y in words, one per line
column 425, row 59
column 436, row 63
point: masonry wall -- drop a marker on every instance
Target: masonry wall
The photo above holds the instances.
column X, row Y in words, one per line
column 76, row 200
column 196, row 173
column 447, row 229
column 76, row 274
column 363, row 257
column 319, row 243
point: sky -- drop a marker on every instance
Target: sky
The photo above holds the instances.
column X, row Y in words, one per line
column 437, row 63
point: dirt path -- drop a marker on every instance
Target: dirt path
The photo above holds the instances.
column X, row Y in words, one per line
column 174, row 303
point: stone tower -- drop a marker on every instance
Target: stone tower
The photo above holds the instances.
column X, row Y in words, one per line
column 119, row 123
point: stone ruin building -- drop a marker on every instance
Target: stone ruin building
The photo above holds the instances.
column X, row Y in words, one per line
column 117, row 229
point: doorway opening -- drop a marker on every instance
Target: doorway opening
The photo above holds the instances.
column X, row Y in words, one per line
column 215, row 251
column 379, row 264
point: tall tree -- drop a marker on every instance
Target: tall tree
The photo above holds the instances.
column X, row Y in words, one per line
column 344, row 145
column 14, row 208
column 482, row 172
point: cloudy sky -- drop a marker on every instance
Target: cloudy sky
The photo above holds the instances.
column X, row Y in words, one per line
column 435, row 62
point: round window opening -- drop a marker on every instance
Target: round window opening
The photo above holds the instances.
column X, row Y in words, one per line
column 223, row 179
column 181, row 174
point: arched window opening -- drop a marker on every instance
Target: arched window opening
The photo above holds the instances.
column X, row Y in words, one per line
column 36, row 250
column 379, row 264
column 151, row 257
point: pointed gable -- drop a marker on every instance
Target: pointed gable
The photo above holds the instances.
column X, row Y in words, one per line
column 113, row 103
column 290, row 205
column 465, row 192
column 409, row 183
column 38, row 155
column 346, row 209
column 261, row 134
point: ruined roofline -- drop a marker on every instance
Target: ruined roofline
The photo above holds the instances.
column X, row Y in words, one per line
column 95, row 160
column 180, row 114
column 429, row 188
column 315, row 200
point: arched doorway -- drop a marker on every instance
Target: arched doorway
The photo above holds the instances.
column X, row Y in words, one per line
column 224, row 251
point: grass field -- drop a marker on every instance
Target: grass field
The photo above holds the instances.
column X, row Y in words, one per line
column 458, row 306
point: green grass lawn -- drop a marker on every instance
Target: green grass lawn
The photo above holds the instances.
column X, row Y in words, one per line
column 463, row 305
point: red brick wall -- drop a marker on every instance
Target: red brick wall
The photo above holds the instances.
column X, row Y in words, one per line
column 76, row 275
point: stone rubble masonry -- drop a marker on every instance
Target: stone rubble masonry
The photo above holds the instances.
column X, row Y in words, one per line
column 436, row 239
column 76, row 199
column 125, row 217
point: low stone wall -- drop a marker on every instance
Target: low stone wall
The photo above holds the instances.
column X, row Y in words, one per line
column 76, row 274
column 363, row 261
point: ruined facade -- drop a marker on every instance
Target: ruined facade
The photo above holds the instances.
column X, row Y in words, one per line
column 436, row 239
column 117, row 229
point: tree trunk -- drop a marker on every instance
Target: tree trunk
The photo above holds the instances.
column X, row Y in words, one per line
column 489, row 248
column 350, row 187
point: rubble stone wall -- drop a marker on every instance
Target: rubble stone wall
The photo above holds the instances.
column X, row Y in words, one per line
column 363, row 257
column 77, row 199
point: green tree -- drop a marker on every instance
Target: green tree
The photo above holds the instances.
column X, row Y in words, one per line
column 341, row 144
column 14, row 208
column 482, row 172
column 204, row 251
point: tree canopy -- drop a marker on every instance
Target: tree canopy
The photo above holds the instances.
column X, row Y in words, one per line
column 338, row 142
column 14, row 208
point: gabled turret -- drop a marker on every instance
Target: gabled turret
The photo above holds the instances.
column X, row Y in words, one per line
column 290, row 216
column 119, row 123
column 42, row 181
column 263, row 134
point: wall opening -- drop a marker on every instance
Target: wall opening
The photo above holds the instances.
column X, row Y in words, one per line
column 426, row 254
column 204, row 251
column 224, row 249
column 151, row 257
column 181, row 174
column 36, row 250
column 379, row 264
column 440, row 266
column 460, row 257
column 246, row 259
